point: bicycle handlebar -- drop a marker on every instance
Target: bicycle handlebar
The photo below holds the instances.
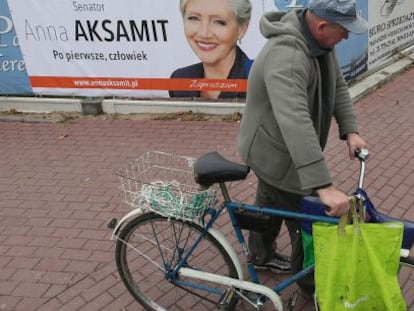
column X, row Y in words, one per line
column 362, row 155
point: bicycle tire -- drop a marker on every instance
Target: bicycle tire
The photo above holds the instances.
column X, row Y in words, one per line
column 156, row 237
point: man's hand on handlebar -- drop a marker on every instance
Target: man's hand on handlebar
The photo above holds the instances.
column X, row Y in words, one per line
column 336, row 200
column 355, row 143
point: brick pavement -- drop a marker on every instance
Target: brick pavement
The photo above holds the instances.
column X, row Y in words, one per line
column 57, row 191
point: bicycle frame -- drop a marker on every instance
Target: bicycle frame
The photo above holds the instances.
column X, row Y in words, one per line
column 274, row 212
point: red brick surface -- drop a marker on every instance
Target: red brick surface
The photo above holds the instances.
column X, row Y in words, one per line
column 57, row 191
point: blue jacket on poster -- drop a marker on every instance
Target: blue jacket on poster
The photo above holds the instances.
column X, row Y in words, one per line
column 240, row 70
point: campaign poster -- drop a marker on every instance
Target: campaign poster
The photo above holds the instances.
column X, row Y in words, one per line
column 137, row 48
column 391, row 29
column 117, row 48
column 13, row 74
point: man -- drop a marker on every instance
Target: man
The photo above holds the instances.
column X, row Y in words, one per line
column 295, row 87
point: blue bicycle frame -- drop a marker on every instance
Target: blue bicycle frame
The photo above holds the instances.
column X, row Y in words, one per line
column 231, row 207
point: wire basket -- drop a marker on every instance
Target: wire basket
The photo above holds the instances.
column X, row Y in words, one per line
column 164, row 183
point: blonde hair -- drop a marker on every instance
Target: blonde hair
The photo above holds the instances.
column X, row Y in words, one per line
column 242, row 9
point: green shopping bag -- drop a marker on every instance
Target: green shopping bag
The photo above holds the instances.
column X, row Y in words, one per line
column 356, row 265
column 307, row 245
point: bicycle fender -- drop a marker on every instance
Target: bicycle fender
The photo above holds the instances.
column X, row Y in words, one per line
column 230, row 250
column 133, row 213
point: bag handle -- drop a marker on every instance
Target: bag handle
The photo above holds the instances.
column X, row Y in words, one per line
column 354, row 216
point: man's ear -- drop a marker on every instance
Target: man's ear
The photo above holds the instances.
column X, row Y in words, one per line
column 321, row 25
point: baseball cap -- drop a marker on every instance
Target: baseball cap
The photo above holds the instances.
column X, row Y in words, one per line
column 342, row 12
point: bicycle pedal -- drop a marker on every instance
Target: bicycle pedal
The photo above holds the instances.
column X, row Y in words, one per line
column 227, row 299
column 292, row 302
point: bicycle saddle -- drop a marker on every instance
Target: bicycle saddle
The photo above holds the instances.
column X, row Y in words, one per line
column 213, row 168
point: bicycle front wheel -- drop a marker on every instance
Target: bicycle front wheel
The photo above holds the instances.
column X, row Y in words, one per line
column 151, row 245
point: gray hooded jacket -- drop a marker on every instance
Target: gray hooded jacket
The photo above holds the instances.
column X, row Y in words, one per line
column 284, row 128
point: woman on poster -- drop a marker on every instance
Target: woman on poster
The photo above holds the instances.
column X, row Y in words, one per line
column 213, row 29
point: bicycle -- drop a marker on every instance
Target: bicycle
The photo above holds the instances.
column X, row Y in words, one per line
column 169, row 235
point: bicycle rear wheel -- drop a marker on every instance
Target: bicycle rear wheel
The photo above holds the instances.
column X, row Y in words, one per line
column 151, row 244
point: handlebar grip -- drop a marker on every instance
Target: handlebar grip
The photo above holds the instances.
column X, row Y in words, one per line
column 362, row 154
